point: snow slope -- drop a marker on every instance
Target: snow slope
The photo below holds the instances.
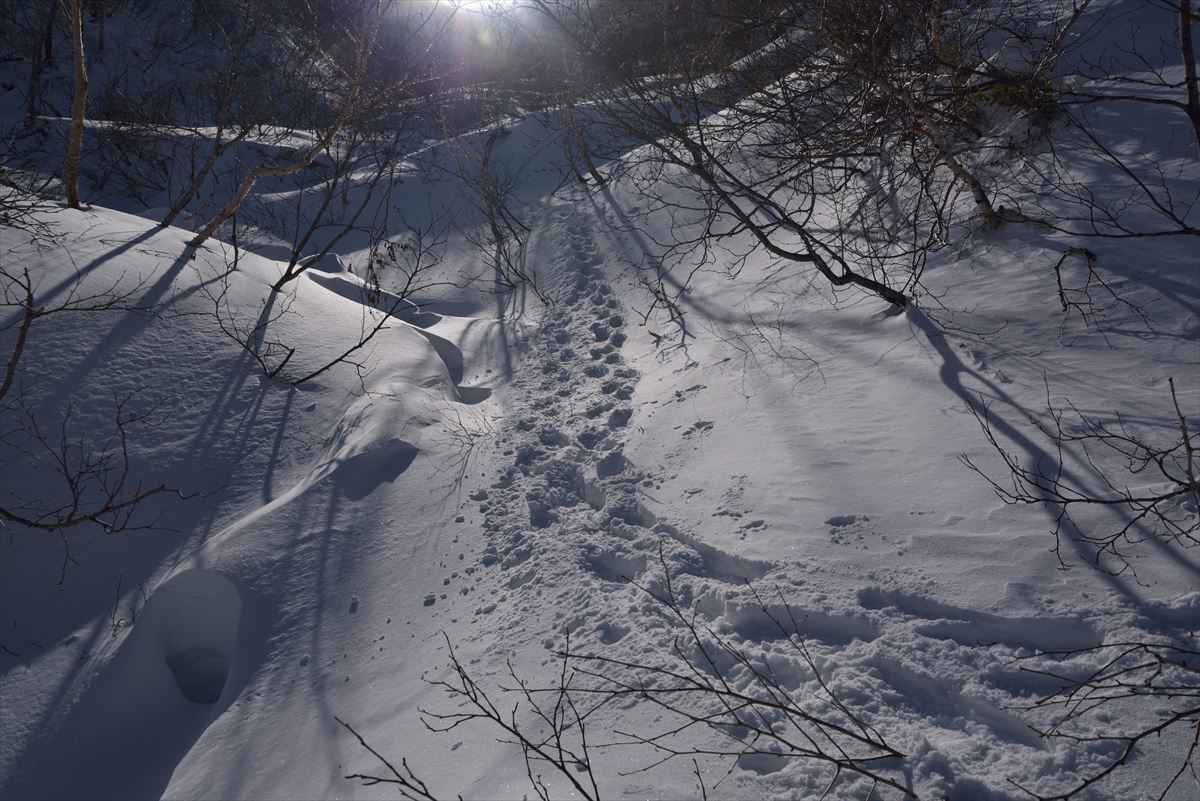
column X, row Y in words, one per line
column 502, row 468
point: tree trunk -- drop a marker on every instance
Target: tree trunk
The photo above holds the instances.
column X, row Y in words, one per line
column 28, row 312
column 48, row 37
column 263, row 171
column 1188, row 50
column 489, row 199
column 198, row 182
column 34, row 92
column 75, row 139
column 575, row 128
column 991, row 218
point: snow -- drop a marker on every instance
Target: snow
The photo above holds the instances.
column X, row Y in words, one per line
column 503, row 471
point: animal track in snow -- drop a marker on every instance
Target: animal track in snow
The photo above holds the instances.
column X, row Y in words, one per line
column 850, row 530
column 683, row 394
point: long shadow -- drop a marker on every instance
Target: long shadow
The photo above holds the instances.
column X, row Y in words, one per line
column 952, row 373
column 137, row 564
column 682, row 295
column 135, row 568
column 276, row 446
column 45, row 297
column 156, row 736
column 317, row 563
column 504, row 296
column 119, row 335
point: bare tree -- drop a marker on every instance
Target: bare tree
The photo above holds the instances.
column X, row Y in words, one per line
column 344, row 80
column 18, row 289
column 756, row 717
column 841, row 143
column 42, row 54
column 554, row 735
column 78, row 109
column 239, row 102
column 405, row 263
column 1146, row 192
column 407, row 783
column 489, row 188
column 73, row 475
column 264, row 171
column 361, row 147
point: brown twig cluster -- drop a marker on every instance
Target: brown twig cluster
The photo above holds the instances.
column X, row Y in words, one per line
column 1140, row 675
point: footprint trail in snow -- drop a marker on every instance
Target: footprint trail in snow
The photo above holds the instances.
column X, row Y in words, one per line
column 567, row 515
column 568, row 527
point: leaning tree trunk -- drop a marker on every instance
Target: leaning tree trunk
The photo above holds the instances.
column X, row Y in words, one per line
column 263, row 171
column 75, row 139
column 194, row 188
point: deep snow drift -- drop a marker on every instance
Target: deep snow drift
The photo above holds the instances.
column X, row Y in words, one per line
column 503, row 471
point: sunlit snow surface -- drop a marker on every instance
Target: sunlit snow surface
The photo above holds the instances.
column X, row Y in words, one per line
column 504, row 471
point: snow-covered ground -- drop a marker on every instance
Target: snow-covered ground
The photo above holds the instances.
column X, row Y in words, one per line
column 503, row 471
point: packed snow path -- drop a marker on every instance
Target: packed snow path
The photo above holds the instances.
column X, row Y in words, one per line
column 568, row 497
column 572, row 524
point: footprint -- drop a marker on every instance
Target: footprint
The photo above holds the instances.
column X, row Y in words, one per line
column 756, row 623
column 718, row 564
column 590, row 437
column 946, row 705
column 612, row 633
column 683, row 394
column 614, row 463
column 597, row 409
column 971, row 628
column 619, row 417
column 615, row 565
column 763, row 763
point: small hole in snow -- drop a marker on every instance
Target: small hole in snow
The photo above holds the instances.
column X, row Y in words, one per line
column 200, row 673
